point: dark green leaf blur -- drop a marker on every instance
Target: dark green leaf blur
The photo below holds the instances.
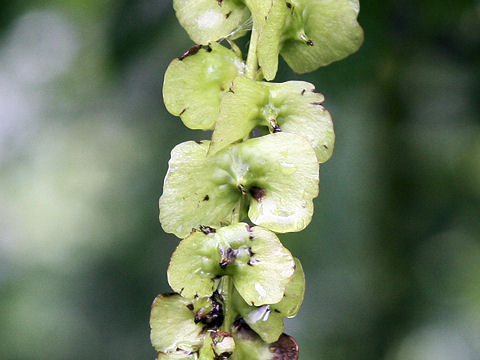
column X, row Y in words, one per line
column 392, row 257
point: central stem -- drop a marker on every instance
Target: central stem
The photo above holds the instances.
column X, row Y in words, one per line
column 225, row 288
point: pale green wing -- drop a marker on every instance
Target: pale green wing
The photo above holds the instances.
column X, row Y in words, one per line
column 267, row 320
column 239, row 112
column 282, row 180
column 193, row 86
column 210, row 20
column 320, row 32
column 172, row 325
column 196, row 192
column 262, row 266
column 269, row 19
column 299, row 111
column 194, row 266
column 294, row 293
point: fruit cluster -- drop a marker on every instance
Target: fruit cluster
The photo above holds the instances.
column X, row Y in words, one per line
column 234, row 281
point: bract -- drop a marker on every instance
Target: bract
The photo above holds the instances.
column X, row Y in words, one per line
column 255, row 259
column 275, row 176
column 267, row 320
column 194, row 84
column 319, row 32
column 209, row 20
column 291, row 107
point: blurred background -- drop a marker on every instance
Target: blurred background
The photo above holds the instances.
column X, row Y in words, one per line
column 392, row 257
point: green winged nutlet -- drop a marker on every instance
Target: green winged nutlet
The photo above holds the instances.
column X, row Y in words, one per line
column 267, row 320
column 319, row 32
column 275, row 177
column 179, row 325
column 260, row 266
column 194, row 84
column 210, row 20
column 291, row 107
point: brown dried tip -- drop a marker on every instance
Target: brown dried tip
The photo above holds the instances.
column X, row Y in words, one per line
column 228, row 257
column 192, row 51
column 285, row 348
column 207, row 229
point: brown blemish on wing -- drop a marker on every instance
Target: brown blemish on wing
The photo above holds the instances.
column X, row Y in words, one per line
column 257, row 193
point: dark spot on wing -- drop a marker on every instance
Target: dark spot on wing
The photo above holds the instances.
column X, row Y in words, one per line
column 257, row 193
column 206, row 198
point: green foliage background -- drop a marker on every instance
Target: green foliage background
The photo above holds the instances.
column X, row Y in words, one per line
column 392, row 257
